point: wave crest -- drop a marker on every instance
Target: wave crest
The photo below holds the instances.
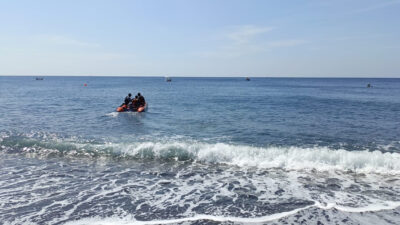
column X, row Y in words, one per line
column 289, row 158
column 319, row 158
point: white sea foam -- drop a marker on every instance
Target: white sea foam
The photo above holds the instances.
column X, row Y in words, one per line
column 292, row 158
column 198, row 188
column 289, row 158
column 130, row 220
column 112, row 114
column 388, row 205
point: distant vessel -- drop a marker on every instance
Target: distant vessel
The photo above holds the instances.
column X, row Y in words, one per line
column 39, row 78
column 247, row 78
column 168, row 79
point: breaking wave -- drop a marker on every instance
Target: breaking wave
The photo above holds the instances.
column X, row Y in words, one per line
column 289, row 158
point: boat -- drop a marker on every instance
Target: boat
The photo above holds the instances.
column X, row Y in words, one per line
column 123, row 108
column 168, row 79
column 39, row 78
column 248, row 78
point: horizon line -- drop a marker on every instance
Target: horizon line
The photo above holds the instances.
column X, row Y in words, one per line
column 350, row 77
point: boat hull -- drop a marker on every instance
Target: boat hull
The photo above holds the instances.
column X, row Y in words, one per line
column 124, row 109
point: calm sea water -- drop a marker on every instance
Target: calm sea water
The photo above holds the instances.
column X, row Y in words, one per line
column 208, row 150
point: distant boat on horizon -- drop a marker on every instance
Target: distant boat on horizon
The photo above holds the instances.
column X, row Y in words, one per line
column 39, row 78
column 168, row 79
column 247, row 78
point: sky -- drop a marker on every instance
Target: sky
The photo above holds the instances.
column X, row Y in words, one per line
column 254, row 38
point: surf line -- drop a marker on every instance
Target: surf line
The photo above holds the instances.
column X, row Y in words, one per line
column 226, row 219
column 391, row 205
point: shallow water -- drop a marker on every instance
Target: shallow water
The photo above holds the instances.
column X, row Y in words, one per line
column 208, row 150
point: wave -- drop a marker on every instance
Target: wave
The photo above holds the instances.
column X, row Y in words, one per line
column 320, row 158
column 289, row 158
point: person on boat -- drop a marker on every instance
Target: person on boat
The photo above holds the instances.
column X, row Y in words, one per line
column 135, row 104
column 142, row 102
column 128, row 99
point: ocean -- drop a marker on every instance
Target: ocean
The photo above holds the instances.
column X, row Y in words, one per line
column 206, row 151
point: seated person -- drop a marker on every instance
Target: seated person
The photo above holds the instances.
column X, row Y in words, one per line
column 142, row 102
column 135, row 103
column 128, row 99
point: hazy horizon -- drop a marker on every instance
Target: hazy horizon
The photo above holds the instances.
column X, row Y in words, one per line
column 160, row 76
column 179, row 38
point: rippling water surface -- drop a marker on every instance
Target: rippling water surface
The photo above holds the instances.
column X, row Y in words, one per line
column 208, row 150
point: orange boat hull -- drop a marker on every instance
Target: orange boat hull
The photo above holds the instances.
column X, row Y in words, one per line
column 140, row 109
column 120, row 109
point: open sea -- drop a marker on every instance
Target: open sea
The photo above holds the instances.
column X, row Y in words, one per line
column 207, row 151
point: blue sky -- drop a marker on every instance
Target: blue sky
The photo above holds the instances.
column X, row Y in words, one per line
column 340, row 38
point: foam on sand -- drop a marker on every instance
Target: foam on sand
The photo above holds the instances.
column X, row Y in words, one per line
column 129, row 220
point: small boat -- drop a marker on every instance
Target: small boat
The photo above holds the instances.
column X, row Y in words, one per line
column 39, row 78
column 168, row 79
column 247, row 78
column 123, row 108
